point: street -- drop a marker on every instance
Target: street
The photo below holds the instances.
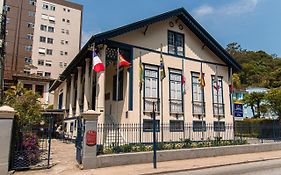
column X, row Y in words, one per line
column 272, row 167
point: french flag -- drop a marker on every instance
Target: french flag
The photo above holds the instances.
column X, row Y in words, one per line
column 97, row 64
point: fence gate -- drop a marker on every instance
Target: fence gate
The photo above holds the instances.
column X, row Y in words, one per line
column 79, row 140
column 31, row 146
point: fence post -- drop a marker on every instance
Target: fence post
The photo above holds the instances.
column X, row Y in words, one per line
column 89, row 160
column 6, row 123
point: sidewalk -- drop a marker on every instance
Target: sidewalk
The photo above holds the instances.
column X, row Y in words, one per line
column 66, row 164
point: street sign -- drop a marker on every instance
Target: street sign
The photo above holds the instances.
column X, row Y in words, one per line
column 238, row 110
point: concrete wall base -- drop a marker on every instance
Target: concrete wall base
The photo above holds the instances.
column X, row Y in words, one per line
column 169, row 155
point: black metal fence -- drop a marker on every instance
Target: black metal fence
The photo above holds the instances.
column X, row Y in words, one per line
column 120, row 134
column 30, row 147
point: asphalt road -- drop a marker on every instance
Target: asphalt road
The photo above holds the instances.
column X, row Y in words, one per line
column 269, row 167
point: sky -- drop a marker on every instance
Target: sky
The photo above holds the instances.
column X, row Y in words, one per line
column 254, row 24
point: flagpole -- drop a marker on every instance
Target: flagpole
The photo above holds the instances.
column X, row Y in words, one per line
column 91, row 80
column 140, row 106
column 117, row 91
column 183, row 93
column 202, row 96
column 162, row 134
column 218, row 108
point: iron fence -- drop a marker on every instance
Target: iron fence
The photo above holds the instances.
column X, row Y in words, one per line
column 31, row 146
column 110, row 135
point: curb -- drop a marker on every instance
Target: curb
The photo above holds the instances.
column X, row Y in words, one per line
column 211, row 166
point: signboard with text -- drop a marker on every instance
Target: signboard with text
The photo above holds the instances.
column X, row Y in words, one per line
column 238, row 110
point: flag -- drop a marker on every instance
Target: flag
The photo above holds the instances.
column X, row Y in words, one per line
column 201, row 78
column 183, row 84
column 141, row 72
column 97, row 63
column 122, row 61
column 162, row 68
column 216, row 81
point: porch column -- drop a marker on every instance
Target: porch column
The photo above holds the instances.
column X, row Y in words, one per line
column 78, row 99
column 100, row 89
column 46, row 94
column 87, row 86
column 64, row 95
column 71, row 98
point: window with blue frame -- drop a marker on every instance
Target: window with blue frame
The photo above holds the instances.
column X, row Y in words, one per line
column 151, row 88
column 175, row 43
column 198, row 100
column 218, row 105
column 176, row 91
column 148, row 125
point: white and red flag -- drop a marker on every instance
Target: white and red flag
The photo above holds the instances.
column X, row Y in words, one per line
column 97, row 63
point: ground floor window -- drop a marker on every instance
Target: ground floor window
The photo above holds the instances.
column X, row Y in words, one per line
column 199, row 126
column 219, row 126
column 176, row 126
column 148, row 125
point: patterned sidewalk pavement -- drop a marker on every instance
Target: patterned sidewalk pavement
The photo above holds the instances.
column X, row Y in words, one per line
column 63, row 156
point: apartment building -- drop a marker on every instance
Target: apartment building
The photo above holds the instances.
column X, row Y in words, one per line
column 42, row 38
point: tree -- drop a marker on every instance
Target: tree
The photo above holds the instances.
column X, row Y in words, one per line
column 273, row 98
column 259, row 68
column 254, row 100
column 25, row 102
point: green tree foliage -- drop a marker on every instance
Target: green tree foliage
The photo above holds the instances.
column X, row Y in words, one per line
column 259, row 68
column 25, row 102
column 273, row 98
column 254, row 101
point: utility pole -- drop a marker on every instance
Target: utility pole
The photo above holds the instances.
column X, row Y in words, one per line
column 2, row 51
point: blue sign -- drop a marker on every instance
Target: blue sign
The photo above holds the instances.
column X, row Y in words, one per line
column 238, row 110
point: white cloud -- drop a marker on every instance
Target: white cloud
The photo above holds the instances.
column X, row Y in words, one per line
column 237, row 8
column 204, row 10
column 240, row 7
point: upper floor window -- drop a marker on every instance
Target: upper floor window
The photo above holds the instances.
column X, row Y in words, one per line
column 176, row 91
column 30, row 25
column 47, row 74
column 42, row 51
column 50, row 41
column 41, row 63
column 175, row 43
column 198, row 101
column 44, row 16
column 151, row 87
column 48, row 63
column 49, row 52
column 28, row 48
column 218, row 105
column 53, row 7
column 28, row 60
column 42, row 39
column 32, row 2
column 45, row 6
column 31, row 13
column 51, row 29
column 43, row 27
column 29, row 37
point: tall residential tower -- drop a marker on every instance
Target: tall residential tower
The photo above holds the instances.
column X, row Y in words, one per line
column 42, row 38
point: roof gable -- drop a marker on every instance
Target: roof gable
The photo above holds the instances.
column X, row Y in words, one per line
column 187, row 19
